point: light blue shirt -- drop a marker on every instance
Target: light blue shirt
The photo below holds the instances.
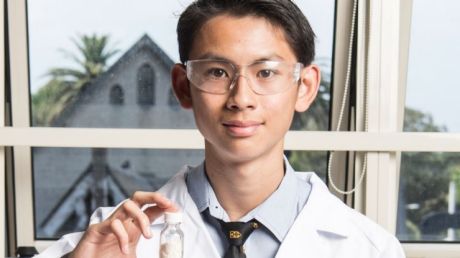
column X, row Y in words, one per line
column 277, row 213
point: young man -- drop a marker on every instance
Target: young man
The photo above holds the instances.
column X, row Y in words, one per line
column 246, row 67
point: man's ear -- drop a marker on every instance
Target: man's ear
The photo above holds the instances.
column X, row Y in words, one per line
column 310, row 78
column 181, row 85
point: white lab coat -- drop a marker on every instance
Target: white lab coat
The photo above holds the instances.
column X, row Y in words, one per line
column 325, row 228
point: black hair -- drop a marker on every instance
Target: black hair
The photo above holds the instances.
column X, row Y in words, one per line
column 283, row 14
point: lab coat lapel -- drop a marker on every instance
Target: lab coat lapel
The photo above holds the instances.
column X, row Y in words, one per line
column 317, row 221
column 197, row 241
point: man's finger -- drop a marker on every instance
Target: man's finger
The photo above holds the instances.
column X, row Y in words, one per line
column 120, row 232
column 154, row 212
column 143, row 198
column 134, row 212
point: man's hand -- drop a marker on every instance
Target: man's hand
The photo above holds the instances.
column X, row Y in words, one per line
column 117, row 236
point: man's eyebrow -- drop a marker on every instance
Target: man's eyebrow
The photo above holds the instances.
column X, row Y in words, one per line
column 214, row 57
column 269, row 57
column 272, row 57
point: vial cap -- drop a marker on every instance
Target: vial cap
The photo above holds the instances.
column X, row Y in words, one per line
column 173, row 217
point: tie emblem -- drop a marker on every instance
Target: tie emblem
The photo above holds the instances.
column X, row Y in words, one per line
column 234, row 234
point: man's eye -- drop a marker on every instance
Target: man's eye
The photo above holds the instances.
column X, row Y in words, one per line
column 217, row 73
column 264, row 74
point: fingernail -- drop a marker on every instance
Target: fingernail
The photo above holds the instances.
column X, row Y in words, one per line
column 125, row 249
column 149, row 233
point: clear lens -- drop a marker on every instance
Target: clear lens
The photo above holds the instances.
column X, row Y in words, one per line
column 265, row 77
column 271, row 77
column 210, row 75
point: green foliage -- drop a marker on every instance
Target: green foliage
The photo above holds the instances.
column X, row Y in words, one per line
column 417, row 121
column 426, row 183
column 92, row 58
column 66, row 83
column 425, row 176
column 309, row 161
column 49, row 101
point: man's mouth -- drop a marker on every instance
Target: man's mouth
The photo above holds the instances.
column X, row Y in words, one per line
column 240, row 128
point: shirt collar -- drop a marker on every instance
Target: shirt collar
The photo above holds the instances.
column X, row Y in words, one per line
column 286, row 195
column 197, row 185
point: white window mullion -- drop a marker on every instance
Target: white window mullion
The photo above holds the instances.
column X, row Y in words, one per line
column 3, row 239
column 428, row 250
column 389, row 111
column 383, row 103
column 20, row 117
column 191, row 139
column 373, row 65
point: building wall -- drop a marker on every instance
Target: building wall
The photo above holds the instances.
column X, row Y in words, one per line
column 145, row 169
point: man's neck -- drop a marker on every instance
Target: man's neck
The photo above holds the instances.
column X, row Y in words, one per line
column 242, row 186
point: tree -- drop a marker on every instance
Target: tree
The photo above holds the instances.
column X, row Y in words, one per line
column 66, row 83
column 49, row 101
column 425, row 178
column 95, row 55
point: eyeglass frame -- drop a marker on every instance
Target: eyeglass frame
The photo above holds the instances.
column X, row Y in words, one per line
column 237, row 73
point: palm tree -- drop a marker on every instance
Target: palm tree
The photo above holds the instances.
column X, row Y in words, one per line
column 66, row 83
column 95, row 55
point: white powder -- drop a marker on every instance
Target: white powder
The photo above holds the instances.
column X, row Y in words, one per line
column 172, row 249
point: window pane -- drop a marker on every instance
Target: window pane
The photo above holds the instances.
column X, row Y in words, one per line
column 108, row 66
column 320, row 14
column 429, row 182
column 429, row 197
column 309, row 161
column 432, row 83
column 69, row 183
column 75, row 61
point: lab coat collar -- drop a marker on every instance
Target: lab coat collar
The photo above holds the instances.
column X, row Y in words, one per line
column 323, row 215
column 193, row 224
column 324, row 211
column 322, row 208
column 321, row 218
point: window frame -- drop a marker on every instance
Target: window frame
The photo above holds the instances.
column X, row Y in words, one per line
column 146, row 99
column 116, row 95
column 3, row 212
column 383, row 54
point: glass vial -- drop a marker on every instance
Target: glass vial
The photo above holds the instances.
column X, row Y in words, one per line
column 172, row 237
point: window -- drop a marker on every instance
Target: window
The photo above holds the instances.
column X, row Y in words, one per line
column 84, row 179
column 117, row 96
column 132, row 49
column 145, row 85
column 429, row 197
column 429, row 202
column 70, row 95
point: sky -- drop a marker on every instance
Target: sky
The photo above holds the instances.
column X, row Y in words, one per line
column 53, row 23
column 432, row 84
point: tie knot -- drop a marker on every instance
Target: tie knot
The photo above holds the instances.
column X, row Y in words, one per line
column 238, row 232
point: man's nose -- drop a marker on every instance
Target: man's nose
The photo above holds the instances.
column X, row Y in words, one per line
column 241, row 94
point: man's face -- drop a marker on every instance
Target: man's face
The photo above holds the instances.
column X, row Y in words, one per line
column 241, row 125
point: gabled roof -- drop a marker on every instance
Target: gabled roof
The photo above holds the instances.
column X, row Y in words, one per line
column 119, row 184
column 145, row 42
